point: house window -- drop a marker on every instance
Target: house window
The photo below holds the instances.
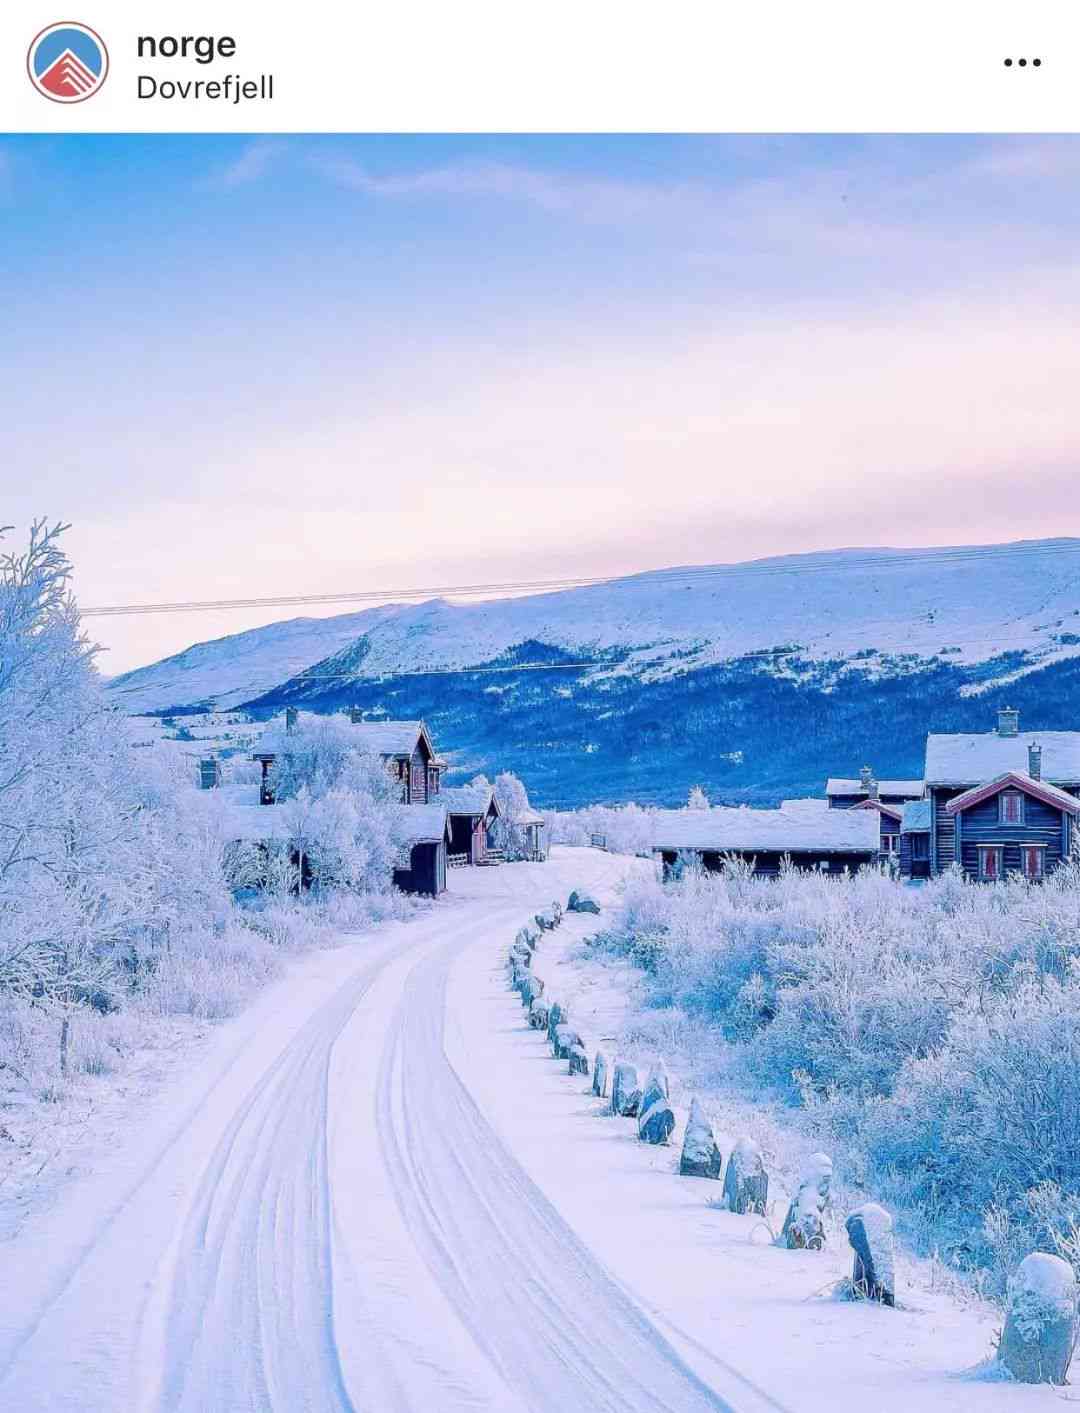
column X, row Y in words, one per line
column 890, row 843
column 1033, row 859
column 990, row 862
column 1011, row 808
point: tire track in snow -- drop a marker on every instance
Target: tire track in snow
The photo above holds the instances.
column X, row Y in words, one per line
column 250, row 1324
column 561, row 1330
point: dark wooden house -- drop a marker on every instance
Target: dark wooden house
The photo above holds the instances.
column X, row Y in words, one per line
column 1002, row 802
column 421, row 867
column 889, row 817
column 405, row 746
column 843, row 792
column 821, row 839
column 472, row 810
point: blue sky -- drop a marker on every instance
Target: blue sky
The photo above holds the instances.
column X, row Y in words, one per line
column 248, row 366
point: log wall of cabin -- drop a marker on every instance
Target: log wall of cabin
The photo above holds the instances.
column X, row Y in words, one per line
column 1043, row 824
column 426, row 872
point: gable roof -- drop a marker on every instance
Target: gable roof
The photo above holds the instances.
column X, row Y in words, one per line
column 840, row 785
column 724, row 829
column 872, row 803
column 973, row 757
column 916, row 817
column 380, row 738
column 469, row 799
column 1014, row 780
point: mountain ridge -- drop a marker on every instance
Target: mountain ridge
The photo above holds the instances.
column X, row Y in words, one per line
column 755, row 679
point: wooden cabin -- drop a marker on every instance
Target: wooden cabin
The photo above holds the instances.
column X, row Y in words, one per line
column 844, row 792
column 421, row 867
column 532, row 826
column 472, row 810
column 405, row 746
column 1002, row 802
column 820, row 839
column 889, row 817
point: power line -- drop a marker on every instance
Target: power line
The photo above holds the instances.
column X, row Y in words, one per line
column 693, row 574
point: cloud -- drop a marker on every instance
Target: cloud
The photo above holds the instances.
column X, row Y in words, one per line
column 252, row 164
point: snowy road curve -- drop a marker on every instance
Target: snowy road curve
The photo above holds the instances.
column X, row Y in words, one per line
column 322, row 1219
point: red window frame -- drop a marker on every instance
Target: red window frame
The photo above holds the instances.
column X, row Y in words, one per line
column 1033, row 854
column 986, row 853
column 1006, row 801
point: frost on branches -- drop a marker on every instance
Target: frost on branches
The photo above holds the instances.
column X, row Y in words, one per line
column 928, row 1035
column 117, row 917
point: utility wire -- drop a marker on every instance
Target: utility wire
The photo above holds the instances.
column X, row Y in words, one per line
column 694, row 574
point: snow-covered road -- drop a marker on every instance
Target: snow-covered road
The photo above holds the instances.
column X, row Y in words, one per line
column 376, row 1191
column 322, row 1218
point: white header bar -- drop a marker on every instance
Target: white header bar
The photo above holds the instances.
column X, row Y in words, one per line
column 562, row 65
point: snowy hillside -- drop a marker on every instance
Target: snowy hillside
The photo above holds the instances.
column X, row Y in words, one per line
column 877, row 611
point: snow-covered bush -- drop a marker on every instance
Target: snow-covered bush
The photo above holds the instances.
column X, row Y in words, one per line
column 625, row 829
column 933, row 1034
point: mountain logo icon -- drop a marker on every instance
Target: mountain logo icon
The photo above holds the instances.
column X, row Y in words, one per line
column 67, row 62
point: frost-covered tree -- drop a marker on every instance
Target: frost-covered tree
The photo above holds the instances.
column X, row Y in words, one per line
column 697, row 799
column 75, row 883
column 341, row 806
column 513, row 802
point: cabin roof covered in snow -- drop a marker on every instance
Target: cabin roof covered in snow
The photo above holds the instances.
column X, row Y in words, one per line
column 799, row 830
column 972, row 758
column 423, row 824
column 840, row 785
column 916, row 817
column 467, row 799
column 381, row 738
column 529, row 817
column 241, row 816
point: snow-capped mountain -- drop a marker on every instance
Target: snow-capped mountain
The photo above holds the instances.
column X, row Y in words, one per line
column 870, row 610
column 754, row 680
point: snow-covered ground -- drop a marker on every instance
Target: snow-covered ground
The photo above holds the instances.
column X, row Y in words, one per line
column 376, row 1190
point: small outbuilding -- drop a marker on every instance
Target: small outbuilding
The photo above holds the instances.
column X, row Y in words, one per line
column 421, row 867
column 472, row 810
column 532, row 826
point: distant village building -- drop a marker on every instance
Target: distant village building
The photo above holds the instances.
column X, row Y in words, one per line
column 1002, row 802
column 472, row 810
column 405, row 746
column 886, row 797
column 422, row 866
column 830, row 841
column 532, row 826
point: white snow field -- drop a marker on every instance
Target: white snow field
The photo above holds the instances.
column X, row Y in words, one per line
column 377, row 1191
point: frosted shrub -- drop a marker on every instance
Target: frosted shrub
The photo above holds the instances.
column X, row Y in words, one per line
column 626, row 829
column 934, row 1032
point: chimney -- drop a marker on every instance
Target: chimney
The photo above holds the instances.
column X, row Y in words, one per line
column 290, row 719
column 872, row 788
column 866, row 778
column 1035, row 760
column 1008, row 721
column 209, row 773
column 355, row 715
